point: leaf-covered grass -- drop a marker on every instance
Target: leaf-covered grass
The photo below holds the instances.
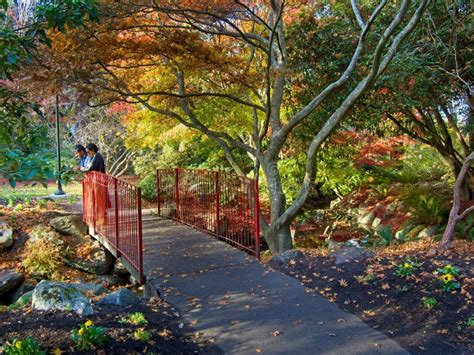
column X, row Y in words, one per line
column 25, row 193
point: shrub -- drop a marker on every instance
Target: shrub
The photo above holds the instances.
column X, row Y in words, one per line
column 385, row 237
column 429, row 302
column 148, row 186
column 43, row 256
column 427, row 208
column 470, row 322
column 136, row 318
column 88, row 336
column 141, row 335
column 406, row 269
column 27, row 346
column 448, row 278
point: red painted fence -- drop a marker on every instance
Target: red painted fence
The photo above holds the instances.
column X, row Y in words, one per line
column 224, row 205
column 112, row 208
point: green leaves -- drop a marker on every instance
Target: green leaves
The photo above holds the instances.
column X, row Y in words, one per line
column 67, row 14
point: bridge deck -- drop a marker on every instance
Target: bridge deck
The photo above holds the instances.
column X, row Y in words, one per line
column 239, row 303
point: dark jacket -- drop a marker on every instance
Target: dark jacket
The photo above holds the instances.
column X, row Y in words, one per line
column 97, row 164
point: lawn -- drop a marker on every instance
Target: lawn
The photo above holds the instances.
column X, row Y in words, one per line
column 26, row 193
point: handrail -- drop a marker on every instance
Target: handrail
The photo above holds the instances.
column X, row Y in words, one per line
column 222, row 204
column 112, row 210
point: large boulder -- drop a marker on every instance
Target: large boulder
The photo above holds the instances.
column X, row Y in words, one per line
column 428, row 232
column 120, row 270
column 112, row 280
column 19, row 292
column 366, row 219
column 287, row 256
column 70, row 225
column 9, row 280
column 344, row 253
column 122, row 297
column 60, row 296
column 90, row 289
column 99, row 262
column 6, row 238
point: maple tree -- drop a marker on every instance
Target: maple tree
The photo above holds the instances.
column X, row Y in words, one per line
column 176, row 58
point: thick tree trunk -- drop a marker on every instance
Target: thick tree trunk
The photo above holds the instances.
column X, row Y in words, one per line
column 277, row 236
column 278, row 239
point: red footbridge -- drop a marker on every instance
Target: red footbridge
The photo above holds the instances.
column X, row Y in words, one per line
column 221, row 204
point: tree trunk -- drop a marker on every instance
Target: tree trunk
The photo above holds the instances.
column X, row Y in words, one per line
column 278, row 239
column 278, row 236
column 454, row 215
column 466, row 191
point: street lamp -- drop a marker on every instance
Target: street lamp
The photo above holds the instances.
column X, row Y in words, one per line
column 59, row 191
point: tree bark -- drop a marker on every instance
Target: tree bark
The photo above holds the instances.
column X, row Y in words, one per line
column 454, row 215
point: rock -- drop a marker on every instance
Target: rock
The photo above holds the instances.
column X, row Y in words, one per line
column 24, row 300
column 90, row 289
column 70, row 225
column 100, row 261
column 431, row 253
column 287, row 256
column 120, row 270
column 376, row 222
column 19, row 292
column 342, row 253
column 334, row 203
column 366, row 219
column 150, row 291
column 392, row 207
column 122, row 297
column 415, row 230
column 9, row 280
column 428, row 232
column 294, row 233
column 112, row 281
column 6, row 238
column 60, row 296
column 42, row 232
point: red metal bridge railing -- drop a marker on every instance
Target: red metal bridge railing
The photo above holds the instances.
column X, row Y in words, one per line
column 112, row 208
column 224, row 205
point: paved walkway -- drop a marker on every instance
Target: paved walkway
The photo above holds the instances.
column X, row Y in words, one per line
column 244, row 307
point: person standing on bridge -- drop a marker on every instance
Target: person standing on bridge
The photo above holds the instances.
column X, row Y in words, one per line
column 96, row 162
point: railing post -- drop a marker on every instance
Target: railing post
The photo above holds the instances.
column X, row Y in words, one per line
column 158, row 192
column 84, row 208
column 117, row 222
column 257, row 218
column 93, row 197
column 217, row 188
column 140, row 235
column 176, row 182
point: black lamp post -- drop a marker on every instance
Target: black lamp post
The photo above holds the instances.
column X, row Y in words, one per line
column 59, row 191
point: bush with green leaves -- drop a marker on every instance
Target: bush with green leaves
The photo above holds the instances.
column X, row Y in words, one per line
column 470, row 322
column 137, row 318
column 384, row 236
column 27, row 346
column 447, row 277
column 142, row 335
column 148, row 187
column 406, row 269
column 88, row 336
column 427, row 202
column 429, row 302
column 43, row 256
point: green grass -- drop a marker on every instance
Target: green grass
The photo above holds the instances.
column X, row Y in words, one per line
column 20, row 194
